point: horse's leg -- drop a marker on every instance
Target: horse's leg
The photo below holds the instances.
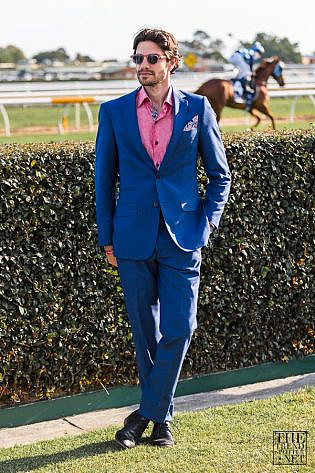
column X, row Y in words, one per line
column 258, row 119
column 218, row 115
column 265, row 110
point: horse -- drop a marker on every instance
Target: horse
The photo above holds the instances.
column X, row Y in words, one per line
column 220, row 92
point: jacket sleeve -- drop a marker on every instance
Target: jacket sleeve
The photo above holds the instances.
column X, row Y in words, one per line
column 215, row 164
column 106, row 172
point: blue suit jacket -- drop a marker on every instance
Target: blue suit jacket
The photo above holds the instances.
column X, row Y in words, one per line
column 128, row 217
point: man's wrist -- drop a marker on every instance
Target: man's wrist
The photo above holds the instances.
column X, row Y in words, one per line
column 106, row 248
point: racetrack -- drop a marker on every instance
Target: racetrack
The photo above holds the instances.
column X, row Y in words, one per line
column 36, row 123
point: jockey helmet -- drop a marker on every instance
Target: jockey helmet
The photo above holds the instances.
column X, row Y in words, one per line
column 258, row 47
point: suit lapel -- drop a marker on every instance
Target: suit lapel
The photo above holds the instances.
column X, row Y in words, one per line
column 130, row 119
column 180, row 119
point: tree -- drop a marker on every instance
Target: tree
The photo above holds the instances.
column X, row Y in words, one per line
column 83, row 58
column 275, row 46
column 204, row 46
column 50, row 56
column 11, row 54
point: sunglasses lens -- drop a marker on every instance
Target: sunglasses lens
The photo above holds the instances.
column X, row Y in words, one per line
column 137, row 58
column 153, row 58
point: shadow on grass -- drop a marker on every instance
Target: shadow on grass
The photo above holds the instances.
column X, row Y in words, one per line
column 25, row 464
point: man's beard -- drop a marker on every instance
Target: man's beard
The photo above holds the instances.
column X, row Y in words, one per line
column 150, row 80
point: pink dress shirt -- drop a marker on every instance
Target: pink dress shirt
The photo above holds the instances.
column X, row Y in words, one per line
column 155, row 134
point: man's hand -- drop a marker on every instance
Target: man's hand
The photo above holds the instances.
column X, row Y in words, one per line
column 110, row 255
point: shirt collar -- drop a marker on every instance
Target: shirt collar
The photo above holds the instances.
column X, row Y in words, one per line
column 143, row 96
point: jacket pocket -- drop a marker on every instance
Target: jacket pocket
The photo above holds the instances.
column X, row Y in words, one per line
column 191, row 204
column 189, row 135
column 126, row 210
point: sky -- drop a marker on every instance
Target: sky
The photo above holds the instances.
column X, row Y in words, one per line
column 105, row 28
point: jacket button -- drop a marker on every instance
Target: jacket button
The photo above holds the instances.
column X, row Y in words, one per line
column 156, row 204
column 158, row 176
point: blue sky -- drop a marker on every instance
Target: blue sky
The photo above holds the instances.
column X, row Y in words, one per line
column 105, row 28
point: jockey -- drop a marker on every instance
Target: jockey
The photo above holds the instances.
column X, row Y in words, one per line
column 244, row 59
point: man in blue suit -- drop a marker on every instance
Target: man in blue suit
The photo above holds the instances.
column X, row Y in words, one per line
column 155, row 226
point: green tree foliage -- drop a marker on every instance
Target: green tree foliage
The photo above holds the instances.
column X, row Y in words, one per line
column 50, row 56
column 204, row 46
column 275, row 46
column 83, row 58
column 11, row 54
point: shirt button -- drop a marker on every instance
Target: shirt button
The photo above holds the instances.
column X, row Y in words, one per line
column 156, row 142
column 156, row 204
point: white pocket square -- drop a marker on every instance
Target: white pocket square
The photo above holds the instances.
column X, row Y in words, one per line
column 191, row 124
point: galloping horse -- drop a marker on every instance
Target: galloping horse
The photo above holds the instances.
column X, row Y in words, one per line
column 220, row 92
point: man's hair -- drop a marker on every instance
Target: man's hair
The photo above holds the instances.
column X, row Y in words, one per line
column 166, row 41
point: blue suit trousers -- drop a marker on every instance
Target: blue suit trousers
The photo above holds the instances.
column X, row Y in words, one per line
column 161, row 299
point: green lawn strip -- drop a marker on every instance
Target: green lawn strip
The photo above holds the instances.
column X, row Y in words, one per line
column 264, row 126
column 280, row 107
column 90, row 136
column 47, row 115
column 80, row 136
column 226, row 439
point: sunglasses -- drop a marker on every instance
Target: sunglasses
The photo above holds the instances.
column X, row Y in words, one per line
column 151, row 58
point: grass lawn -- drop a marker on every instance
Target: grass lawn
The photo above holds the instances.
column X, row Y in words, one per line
column 90, row 136
column 266, row 126
column 226, row 439
column 34, row 120
column 47, row 116
column 42, row 138
column 280, row 107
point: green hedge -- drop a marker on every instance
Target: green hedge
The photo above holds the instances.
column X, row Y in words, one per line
column 63, row 326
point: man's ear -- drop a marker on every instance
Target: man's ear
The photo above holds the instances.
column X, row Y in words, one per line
column 172, row 62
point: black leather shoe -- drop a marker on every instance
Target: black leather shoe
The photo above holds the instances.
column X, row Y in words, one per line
column 161, row 435
column 134, row 415
column 130, row 434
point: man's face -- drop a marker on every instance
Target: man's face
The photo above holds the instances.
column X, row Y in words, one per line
column 153, row 74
